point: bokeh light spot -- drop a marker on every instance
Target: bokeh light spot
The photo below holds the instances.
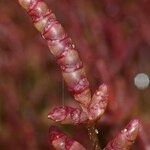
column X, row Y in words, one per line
column 141, row 81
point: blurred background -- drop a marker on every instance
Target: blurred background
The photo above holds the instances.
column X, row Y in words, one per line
column 113, row 39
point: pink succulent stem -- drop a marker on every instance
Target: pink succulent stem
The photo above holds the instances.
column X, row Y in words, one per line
column 125, row 138
column 67, row 57
column 98, row 103
column 62, row 47
column 60, row 141
column 68, row 115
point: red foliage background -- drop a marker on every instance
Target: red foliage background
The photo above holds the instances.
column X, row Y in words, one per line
column 113, row 38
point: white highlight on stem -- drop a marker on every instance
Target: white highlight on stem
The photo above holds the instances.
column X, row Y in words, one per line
column 141, row 81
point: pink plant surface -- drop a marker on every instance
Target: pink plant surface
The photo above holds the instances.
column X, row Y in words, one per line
column 108, row 48
column 125, row 138
column 92, row 108
column 61, row 141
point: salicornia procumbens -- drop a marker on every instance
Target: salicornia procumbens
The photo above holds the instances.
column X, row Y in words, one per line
column 67, row 56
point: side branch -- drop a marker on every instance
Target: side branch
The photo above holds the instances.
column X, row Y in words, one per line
column 61, row 141
column 126, row 137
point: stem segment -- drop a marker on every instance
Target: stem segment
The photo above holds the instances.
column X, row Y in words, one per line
column 94, row 138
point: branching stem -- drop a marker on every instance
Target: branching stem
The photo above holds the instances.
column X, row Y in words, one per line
column 93, row 135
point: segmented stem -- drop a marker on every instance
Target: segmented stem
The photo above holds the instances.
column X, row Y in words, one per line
column 60, row 141
column 62, row 47
column 68, row 115
column 125, row 139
